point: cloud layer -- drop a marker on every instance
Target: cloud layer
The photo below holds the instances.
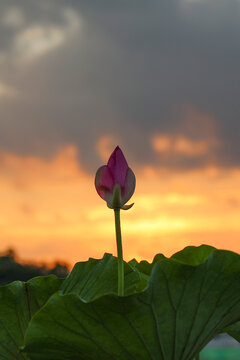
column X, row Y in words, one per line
column 74, row 72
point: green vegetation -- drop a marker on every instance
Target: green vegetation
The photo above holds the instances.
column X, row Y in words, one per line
column 171, row 309
column 11, row 269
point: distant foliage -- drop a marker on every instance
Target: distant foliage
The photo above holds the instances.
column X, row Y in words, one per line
column 11, row 269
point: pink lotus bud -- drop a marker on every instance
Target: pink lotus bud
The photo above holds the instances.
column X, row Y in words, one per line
column 115, row 182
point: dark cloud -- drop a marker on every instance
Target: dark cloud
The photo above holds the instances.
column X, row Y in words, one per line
column 127, row 68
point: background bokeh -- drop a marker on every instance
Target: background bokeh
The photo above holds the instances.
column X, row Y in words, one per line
column 158, row 78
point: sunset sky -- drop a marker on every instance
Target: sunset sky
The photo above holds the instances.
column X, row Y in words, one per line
column 160, row 79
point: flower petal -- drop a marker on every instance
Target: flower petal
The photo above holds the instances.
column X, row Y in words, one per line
column 118, row 166
column 104, row 182
column 129, row 186
column 127, row 207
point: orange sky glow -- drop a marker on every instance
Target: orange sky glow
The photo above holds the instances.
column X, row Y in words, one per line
column 50, row 210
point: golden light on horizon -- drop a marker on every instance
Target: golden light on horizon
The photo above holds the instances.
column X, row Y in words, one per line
column 50, row 210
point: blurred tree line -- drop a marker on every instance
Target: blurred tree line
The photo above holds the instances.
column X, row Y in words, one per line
column 11, row 269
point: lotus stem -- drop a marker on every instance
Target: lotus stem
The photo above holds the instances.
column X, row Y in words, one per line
column 119, row 253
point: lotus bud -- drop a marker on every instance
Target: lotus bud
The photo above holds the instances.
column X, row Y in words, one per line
column 115, row 182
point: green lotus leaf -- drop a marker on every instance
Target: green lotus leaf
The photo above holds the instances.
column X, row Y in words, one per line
column 182, row 309
column 95, row 278
column 192, row 255
column 234, row 330
column 19, row 301
column 144, row 268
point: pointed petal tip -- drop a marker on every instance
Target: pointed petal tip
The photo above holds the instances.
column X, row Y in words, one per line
column 118, row 166
column 117, row 150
